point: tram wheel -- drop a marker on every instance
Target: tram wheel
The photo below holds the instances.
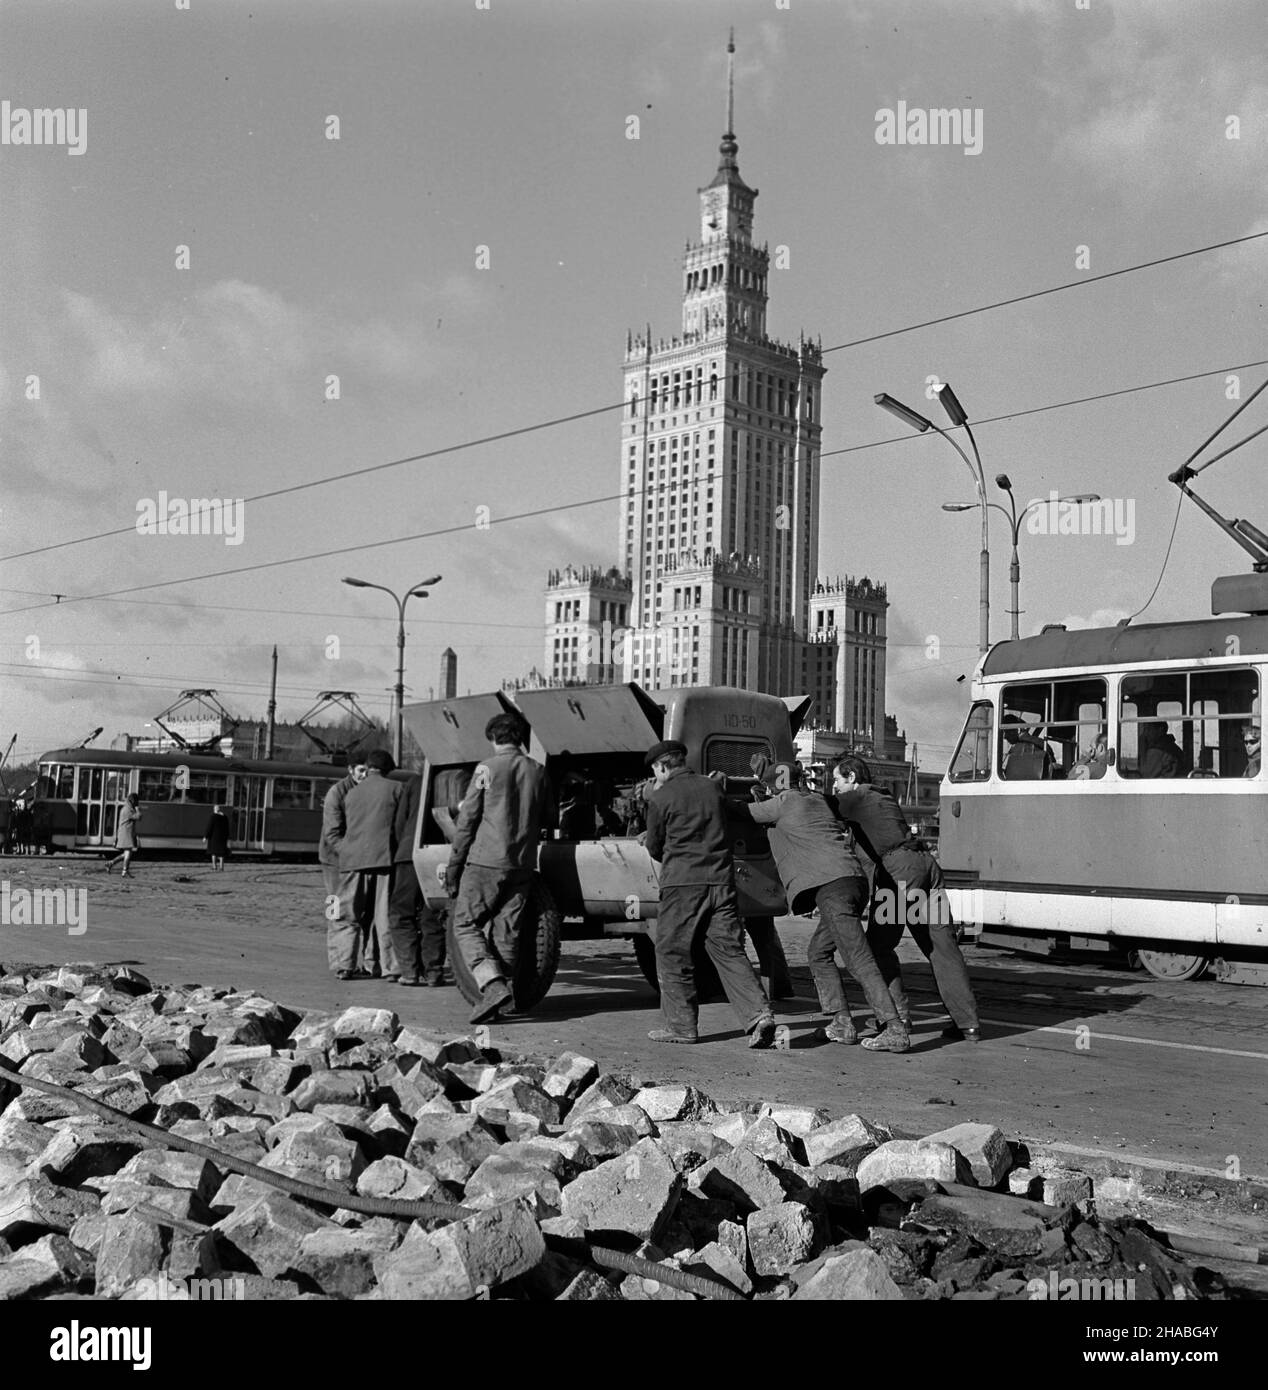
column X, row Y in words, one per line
column 540, row 935
column 708, row 986
column 1173, row 965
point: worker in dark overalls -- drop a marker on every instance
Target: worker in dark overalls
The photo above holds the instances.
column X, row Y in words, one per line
column 687, row 837
column 907, row 891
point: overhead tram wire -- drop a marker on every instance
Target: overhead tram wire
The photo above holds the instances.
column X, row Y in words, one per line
column 1165, row 560
column 1058, row 405
column 351, row 473
column 620, row 405
column 120, row 594
column 1052, row 289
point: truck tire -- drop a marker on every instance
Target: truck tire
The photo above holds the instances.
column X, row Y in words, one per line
column 708, row 987
column 540, row 934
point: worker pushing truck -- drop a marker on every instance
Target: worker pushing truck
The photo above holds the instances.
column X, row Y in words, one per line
column 591, row 865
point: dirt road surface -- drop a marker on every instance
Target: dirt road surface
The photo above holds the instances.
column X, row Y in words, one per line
column 1090, row 1056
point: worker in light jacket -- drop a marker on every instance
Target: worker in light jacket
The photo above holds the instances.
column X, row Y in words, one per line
column 818, row 868
column 491, row 862
column 343, row 940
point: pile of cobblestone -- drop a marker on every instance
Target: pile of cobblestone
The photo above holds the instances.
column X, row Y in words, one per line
column 550, row 1157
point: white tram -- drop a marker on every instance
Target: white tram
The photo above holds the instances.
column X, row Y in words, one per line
column 1160, row 844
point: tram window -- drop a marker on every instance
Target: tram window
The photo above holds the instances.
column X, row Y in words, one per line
column 1047, row 726
column 208, row 788
column 1188, row 723
column 292, row 793
column 972, row 760
column 56, row 782
column 157, row 784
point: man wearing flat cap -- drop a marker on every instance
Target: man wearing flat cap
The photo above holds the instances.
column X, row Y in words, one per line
column 687, row 836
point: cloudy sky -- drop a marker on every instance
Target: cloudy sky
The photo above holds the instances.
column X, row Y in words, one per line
column 467, row 256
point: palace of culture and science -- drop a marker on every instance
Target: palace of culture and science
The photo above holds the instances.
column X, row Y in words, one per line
column 716, row 580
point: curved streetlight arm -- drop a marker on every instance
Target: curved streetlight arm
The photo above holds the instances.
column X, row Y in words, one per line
column 984, row 558
column 971, row 506
column 365, row 584
column 415, row 591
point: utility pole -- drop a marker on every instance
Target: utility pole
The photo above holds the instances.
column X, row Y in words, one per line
column 272, row 713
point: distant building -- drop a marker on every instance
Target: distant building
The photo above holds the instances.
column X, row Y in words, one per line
column 845, row 658
column 448, row 674
column 716, row 580
column 717, row 536
column 587, row 612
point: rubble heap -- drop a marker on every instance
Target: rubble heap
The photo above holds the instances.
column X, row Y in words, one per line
column 554, row 1160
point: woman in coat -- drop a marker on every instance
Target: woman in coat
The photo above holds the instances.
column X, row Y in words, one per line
column 125, row 839
column 216, row 837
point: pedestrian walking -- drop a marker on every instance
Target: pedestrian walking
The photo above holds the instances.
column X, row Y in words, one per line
column 216, row 837
column 687, row 838
column 126, row 840
column 492, row 859
column 418, row 933
column 368, row 850
column 818, row 868
column 343, row 938
column 907, row 891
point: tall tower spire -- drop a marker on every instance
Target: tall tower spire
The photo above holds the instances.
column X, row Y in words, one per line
column 729, row 147
column 730, row 86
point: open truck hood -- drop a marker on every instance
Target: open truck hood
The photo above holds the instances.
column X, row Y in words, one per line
column 452, row 731
column 592, row 719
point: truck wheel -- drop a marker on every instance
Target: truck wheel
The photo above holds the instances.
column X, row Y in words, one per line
column 540, row 931
column 708, row 986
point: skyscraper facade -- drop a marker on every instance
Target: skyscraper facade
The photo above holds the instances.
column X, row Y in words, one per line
column 719, row 481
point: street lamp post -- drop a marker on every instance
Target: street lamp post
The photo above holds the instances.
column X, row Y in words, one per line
column 955, row 412
column 1015, row 520
column 418, row 591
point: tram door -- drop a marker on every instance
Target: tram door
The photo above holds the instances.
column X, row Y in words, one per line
column 101, row 793
column 248, row 813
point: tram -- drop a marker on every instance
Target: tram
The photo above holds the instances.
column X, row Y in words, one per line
column 1160, row 844
column 1108, row 790
column 273, row 807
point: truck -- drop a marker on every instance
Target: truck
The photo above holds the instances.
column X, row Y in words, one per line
column 593, row 875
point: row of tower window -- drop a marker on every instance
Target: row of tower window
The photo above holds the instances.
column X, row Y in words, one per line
column 569, row 611
column 768, row 391
column 734, row 656
column 866, row 623
column 736, row 277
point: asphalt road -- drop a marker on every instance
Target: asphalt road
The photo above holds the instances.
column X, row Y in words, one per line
column 1085, row 1054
